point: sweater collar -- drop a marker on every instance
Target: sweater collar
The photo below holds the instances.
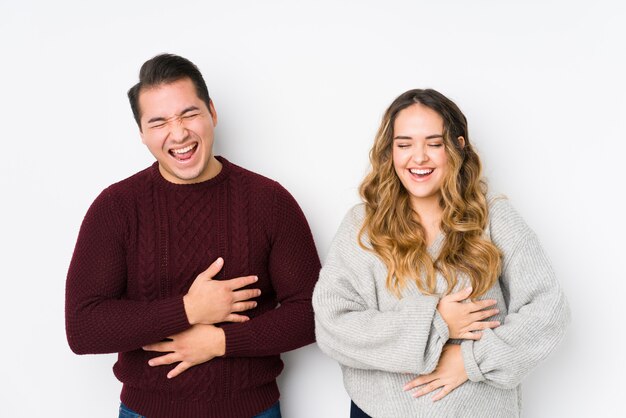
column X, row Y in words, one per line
column 220, row 177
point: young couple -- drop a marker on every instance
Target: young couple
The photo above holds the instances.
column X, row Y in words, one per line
column 436, row 298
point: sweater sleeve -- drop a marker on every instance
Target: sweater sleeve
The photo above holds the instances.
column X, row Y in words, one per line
column 98, row 318
column 352, row 329
column 294, row 266
column 538, row 312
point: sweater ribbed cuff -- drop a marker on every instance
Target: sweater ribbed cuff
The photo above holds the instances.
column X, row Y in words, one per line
column 441, row 327
column 237, row 339
column 471, row 366
column 172, row 315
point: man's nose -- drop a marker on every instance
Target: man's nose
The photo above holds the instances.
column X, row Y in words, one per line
column 178, row 132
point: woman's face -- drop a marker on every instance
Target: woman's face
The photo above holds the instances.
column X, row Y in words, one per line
column 419, row 154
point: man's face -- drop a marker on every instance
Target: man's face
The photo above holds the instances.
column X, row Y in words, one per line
column 177, row 127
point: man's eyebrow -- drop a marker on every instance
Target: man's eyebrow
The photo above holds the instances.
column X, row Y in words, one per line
column 157, row 119
column 162, row 119
column 189, row 109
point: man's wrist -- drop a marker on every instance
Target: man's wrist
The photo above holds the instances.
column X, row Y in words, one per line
column 189, row 311
column 221, row 345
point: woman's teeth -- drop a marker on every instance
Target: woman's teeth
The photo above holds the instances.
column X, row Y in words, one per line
column 421, row 172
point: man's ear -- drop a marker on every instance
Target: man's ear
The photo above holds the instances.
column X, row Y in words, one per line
column 213, row 113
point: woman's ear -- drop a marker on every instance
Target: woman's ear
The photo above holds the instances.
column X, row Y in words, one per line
column 461, row 142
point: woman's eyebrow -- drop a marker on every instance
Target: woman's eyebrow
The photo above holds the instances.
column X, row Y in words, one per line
column 434, row 136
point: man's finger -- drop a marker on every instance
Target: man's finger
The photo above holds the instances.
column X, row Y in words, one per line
column 241, row 295
column 162, row 347
column 236, row 318
column 178, row 369
column 243, row 306
column 165, row 359
column 213, row 269
column 240, row 282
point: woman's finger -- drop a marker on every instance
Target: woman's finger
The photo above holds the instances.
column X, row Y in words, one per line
column 422, row 380
column 479, row 316
column 427, row 388
column 472, row 336
column 479, row 305
column 458, row 296
column 445, row 390
column 477, row 326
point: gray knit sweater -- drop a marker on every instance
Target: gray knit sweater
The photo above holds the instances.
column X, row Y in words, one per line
column 382, row 342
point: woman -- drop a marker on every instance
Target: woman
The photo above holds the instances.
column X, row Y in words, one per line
column 432, row 286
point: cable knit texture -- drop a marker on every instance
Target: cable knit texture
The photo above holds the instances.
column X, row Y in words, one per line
column 382, row 342
column 141, row 245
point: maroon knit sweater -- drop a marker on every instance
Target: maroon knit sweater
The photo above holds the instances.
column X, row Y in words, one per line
column 143, row 242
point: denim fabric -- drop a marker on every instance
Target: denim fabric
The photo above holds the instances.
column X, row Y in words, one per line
column 356, row 412
column 271, row 412
column 126, row 412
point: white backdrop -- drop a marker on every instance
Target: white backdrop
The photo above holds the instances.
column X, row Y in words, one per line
column 300, row 88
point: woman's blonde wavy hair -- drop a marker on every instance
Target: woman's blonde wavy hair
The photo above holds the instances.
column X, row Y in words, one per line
column 393, row 228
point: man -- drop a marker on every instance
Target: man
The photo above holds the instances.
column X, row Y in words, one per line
column 192, row 341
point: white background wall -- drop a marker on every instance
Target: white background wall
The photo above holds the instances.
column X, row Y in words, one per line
column 300, row 88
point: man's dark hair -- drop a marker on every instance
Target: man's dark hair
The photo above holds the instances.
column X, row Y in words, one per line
column 164, row 69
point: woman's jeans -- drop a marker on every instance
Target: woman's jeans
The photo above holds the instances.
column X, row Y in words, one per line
column 356, row 412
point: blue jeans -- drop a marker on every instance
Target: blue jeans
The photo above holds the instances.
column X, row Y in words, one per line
column 272, row 412
column 126, row 412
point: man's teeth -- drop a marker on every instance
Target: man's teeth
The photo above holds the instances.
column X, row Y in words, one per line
column 421, row 172
column 184, row 150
